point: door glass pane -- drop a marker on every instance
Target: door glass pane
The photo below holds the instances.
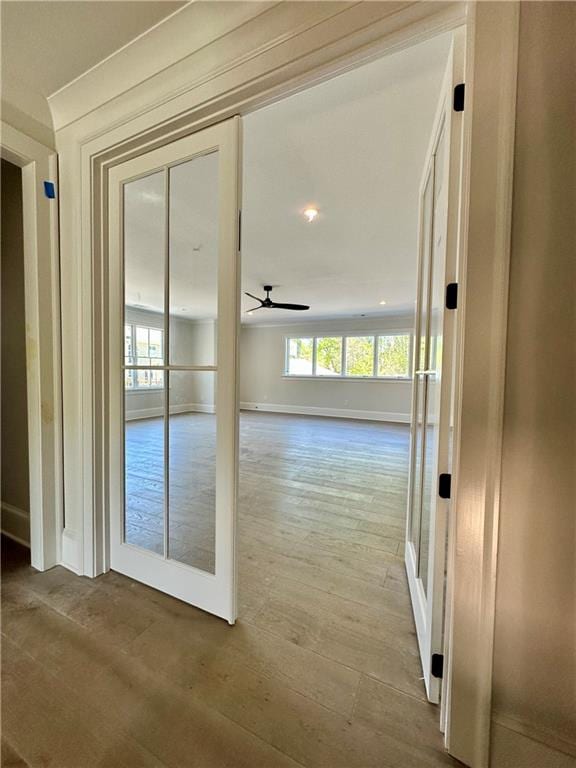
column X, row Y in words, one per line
column 144, row 237
column 432, row 413
column 194, row 261
column 144, row 469
column 329, row 356
column 416, row 497
column 421, row 363
column 360, row 356
column 192, row 469
column 424, row 287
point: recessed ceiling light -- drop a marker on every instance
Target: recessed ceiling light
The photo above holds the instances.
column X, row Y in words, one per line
column 249, row 313
column 311, row 214
column 382, row 302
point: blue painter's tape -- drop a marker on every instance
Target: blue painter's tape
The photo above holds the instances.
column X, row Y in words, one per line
column 49, row 189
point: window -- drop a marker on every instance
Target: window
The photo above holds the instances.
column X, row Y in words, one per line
column 360, row 356
column 394, row 356
column 329, row 356
column 350, row 356
column 300, row 352
column 143, row 346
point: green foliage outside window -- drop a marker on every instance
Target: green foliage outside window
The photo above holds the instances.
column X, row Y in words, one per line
column 360, row 356
column 393, row 355
column 329, row 356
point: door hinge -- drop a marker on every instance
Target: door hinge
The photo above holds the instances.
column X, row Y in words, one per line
column 459, row 93
column 437, row 665
column 444, row 485
column 240, row 229
column 452, row 296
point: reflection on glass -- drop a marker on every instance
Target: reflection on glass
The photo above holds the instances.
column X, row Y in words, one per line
column 144, row 236
column 421, row 362
column 194, row 260
column 416, row 497
column 144, row 473
column 431, row 421
column 192, row 469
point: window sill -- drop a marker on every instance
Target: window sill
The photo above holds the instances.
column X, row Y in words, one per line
column 405, row 380
column 143, row 391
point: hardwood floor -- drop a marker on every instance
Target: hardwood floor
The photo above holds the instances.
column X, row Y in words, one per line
column 320, row 671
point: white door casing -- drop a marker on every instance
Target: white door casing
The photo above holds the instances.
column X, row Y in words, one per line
column 433, row 378
column 214, row 592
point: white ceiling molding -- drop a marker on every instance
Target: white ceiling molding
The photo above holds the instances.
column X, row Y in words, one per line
column 295, row 38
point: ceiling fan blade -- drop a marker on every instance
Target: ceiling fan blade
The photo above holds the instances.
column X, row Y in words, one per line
column 253, row 297
column 275, row 305
column 254, row 309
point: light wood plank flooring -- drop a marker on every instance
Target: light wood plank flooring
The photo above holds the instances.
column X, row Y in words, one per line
column 320, row 671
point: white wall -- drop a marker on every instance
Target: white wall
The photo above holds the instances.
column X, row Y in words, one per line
column 263, row 386
column 15, row 480
column 534, row 703
column 192, row 342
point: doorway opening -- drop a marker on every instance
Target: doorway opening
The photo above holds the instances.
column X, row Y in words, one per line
column 331, row 235
column 15, row 450
column 331, row 219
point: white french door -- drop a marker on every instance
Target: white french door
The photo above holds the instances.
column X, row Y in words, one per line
column 173, row 320
column 430, row 459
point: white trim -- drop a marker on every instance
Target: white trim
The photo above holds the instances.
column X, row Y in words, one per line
column 484, row 234
column 347, row 379
column 151, row 413
column 143, row 391
column 338, row 413
column 71, row 556
column 43, row 342
column 16, row 524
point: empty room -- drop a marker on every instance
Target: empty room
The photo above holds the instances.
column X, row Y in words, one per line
column 287, row 444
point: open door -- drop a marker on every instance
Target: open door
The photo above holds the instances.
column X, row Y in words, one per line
column 173, row 393
column 432, row 396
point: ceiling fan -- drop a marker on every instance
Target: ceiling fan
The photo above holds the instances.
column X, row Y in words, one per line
column 267, row 303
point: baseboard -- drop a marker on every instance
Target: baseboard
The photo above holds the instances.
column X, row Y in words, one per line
column 510, row 748
column 16, row 524
column 338, row 413
column 151, row 413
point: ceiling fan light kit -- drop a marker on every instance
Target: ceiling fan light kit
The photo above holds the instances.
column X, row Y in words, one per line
column 267, row 303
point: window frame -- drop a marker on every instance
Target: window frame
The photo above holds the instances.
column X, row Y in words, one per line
column 343, row 376
column 139, row 390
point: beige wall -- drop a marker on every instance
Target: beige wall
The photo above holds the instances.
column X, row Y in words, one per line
column 263, row 385
column 14, row 408
column 535, row 640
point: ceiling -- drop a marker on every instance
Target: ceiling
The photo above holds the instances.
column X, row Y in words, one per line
column 354, row 147
column 47, row 44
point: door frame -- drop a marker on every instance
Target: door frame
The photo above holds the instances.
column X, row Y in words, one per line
column 39, row 163
column 89, row 150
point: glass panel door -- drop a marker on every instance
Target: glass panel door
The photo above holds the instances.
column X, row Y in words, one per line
column 426, row 524
column 174, row 259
